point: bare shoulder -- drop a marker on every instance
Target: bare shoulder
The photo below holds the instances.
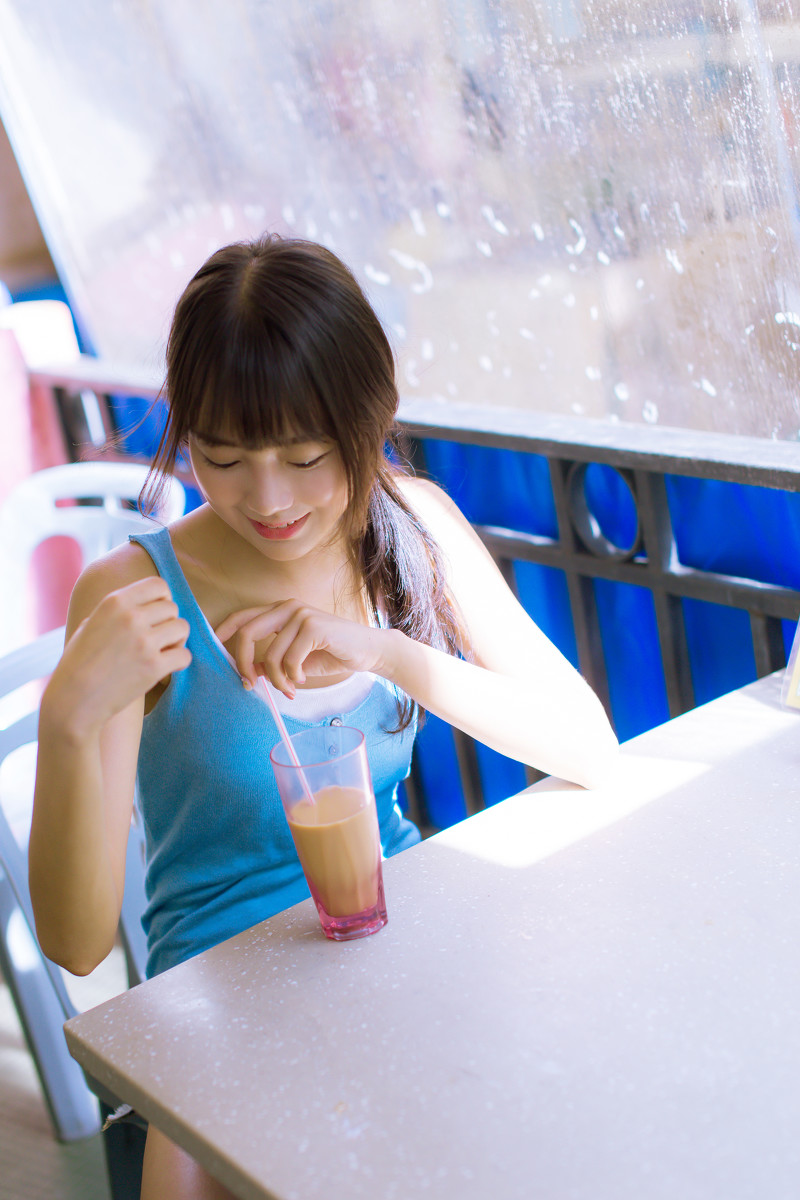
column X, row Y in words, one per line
column 430, row 502
column 123, row 565
column 444, row 520
column 463, row 555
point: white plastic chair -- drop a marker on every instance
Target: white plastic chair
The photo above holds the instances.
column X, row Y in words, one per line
column 36, row 984
column 31, row 514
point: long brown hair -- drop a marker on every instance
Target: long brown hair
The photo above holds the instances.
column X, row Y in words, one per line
column 274, row 339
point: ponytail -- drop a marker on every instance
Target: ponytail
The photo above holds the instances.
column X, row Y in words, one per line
column 401, row 565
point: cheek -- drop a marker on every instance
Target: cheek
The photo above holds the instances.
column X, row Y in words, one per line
column 341, row 498
column 331, row 492
column 217, row 489
column 204, row 484
column 202, row 476
column 200, row 483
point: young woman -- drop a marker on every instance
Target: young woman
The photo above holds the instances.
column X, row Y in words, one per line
column 360, row 592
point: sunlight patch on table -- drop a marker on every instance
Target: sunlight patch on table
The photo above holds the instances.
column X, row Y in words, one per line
column 550, row 818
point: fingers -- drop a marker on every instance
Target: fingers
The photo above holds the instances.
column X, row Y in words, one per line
column 174, row 658
column 250, row 627
column 293, row 644
column 289, row 640
column 133, row 615
column 233, row 623
column 159, row 612
column 143, row 591
column 283, row 661
column 260, row 638
column 135, row 630
column 148, row 600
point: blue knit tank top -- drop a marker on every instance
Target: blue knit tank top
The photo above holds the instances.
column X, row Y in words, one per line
column 220, row 856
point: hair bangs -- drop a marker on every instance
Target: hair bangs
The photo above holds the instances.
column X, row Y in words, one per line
column 255, row 399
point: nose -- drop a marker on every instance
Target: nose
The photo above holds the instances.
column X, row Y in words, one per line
column 270, row 492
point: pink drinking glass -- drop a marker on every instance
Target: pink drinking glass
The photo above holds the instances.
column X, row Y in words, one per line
column 336, row 836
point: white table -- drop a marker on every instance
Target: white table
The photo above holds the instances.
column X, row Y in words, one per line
column 579, row 996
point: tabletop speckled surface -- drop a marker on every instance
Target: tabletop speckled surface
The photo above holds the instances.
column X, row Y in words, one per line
column 579, row 996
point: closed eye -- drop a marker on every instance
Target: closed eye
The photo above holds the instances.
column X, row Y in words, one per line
column 220, row 466
column 312, row 462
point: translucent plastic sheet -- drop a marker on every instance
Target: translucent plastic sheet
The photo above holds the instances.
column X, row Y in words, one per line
column 587, row 206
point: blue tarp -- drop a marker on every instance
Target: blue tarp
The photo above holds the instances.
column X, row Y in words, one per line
column 725, row 527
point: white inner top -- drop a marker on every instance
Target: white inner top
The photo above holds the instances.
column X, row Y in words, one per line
column 313, row 704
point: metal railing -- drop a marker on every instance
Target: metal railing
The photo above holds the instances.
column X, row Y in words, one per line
column 643, row 456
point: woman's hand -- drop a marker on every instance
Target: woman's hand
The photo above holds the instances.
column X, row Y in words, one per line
column 289, row 642
column 127, row 644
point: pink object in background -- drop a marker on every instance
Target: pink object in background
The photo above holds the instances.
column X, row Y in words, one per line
column 33, row 439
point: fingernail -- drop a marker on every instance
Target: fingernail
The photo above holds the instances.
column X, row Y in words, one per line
column 289, row 693
column 246, row 684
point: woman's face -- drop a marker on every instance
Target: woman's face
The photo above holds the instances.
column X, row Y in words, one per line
column 286, row 500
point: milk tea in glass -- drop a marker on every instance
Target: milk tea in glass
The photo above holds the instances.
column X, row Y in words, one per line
column 330, row 806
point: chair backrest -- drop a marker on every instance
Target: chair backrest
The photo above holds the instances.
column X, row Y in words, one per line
column 36, row 984
column 100, row 519
column 33, row 512
column 25, row 665
column 29, row 516
column 29, row 664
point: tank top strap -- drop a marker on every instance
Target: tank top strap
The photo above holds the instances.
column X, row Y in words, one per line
column 158, row 544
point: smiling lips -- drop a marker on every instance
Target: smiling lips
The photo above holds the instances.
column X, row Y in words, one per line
column 278, row 533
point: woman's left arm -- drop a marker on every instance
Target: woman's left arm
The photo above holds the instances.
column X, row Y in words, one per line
column 519, row 694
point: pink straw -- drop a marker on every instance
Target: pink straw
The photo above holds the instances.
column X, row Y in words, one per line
column 287, row 741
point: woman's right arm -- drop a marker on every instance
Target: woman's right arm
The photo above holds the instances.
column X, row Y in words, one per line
column 123, row 637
